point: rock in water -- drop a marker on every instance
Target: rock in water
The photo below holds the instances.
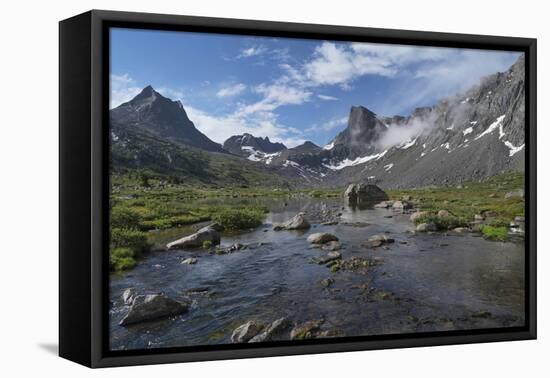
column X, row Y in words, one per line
column 418, row 214
column 384, row 205
column 364, row 193
column 271, row 330
column 245, row 332
column 297, row 222
column 209, row 233
column 321, row 238
column 129, row 295
column 306, row 330
column 153, row 306
column 382, row 238
column 402, row 205
column 426, row 227
column 332, row 246
column 190, row 261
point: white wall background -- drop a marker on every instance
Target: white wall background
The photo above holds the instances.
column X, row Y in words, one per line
column 28, row 186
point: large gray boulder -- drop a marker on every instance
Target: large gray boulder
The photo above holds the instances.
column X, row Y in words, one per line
column 151, row 307
column 306, row 330
column 321, row 238
column 246, row 331
column 275, row 328
column 297, row 222
column 356, row 194
column 209, row 233
column 129, row 295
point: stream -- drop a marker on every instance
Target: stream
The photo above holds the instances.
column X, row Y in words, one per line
column 420, row 283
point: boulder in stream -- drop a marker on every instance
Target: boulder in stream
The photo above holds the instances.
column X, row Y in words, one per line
column 321, row 238
column 402, row 205
column 426, row 227
column 246, row 331
column 418, row 214
column 297, row 222
column 363, row 193
column 151, row 307
column 129, row 295
column 305, row 330
column 275, row 328
column 209, row 233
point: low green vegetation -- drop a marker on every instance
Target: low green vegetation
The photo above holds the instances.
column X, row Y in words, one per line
column 442, row 223
column 486, row 198
column 142, row 201
column 127, row 244
column 494, row 233
column 240, row 218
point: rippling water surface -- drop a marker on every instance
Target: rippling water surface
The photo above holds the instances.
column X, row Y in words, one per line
column 420, row 283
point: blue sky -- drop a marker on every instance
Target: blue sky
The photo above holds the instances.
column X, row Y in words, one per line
column 287, row 89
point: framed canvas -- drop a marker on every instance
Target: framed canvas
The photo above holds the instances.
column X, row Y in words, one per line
column 234, row 188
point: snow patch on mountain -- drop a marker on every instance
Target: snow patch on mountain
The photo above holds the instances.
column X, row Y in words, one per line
column 329, row 146
column 492, row 127
column 259, row 156
column 513, row 149
column 408, row 144
column 360, row 160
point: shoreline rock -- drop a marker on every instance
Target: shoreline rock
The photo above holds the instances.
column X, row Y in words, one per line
column 151, row 307
column 321, row 238
column 297, row 222
column 246, row 331
column 426, row 227
column 209, row 233
column 305, row 330
column 275, row 328
column 364, row 193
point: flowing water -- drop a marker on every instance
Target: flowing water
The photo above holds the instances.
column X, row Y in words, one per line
column 420, row 283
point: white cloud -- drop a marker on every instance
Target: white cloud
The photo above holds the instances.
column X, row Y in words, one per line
column 339, row 64
column 220, row 128
column 274, row 96
column 252, row 51
column 455, row 72
column 122, row 89
column 327, row 98
column 232, row 90
column 400, row 134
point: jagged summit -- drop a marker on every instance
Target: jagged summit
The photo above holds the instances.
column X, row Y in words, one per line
column 247, row 144
column 153, row 113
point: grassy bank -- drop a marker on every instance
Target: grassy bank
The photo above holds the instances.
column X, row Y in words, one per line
column 142, row 202
column 486, row 199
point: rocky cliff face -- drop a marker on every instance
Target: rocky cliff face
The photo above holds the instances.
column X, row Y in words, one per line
column 249, row 146
column 149, row 111
column 467, row 137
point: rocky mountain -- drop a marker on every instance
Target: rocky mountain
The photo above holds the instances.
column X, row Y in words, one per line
column 134, row 149
column 470, row 136
column 467, row 137
column 151, row 112
column 251, row 147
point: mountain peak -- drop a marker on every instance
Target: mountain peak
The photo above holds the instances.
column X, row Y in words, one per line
column 159, row 115
column 147, row 93
column 236, row 143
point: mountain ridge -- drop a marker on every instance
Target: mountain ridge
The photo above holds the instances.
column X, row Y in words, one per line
column 476, row 134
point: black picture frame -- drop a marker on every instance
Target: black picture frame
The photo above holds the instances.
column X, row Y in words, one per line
column 83, row 181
